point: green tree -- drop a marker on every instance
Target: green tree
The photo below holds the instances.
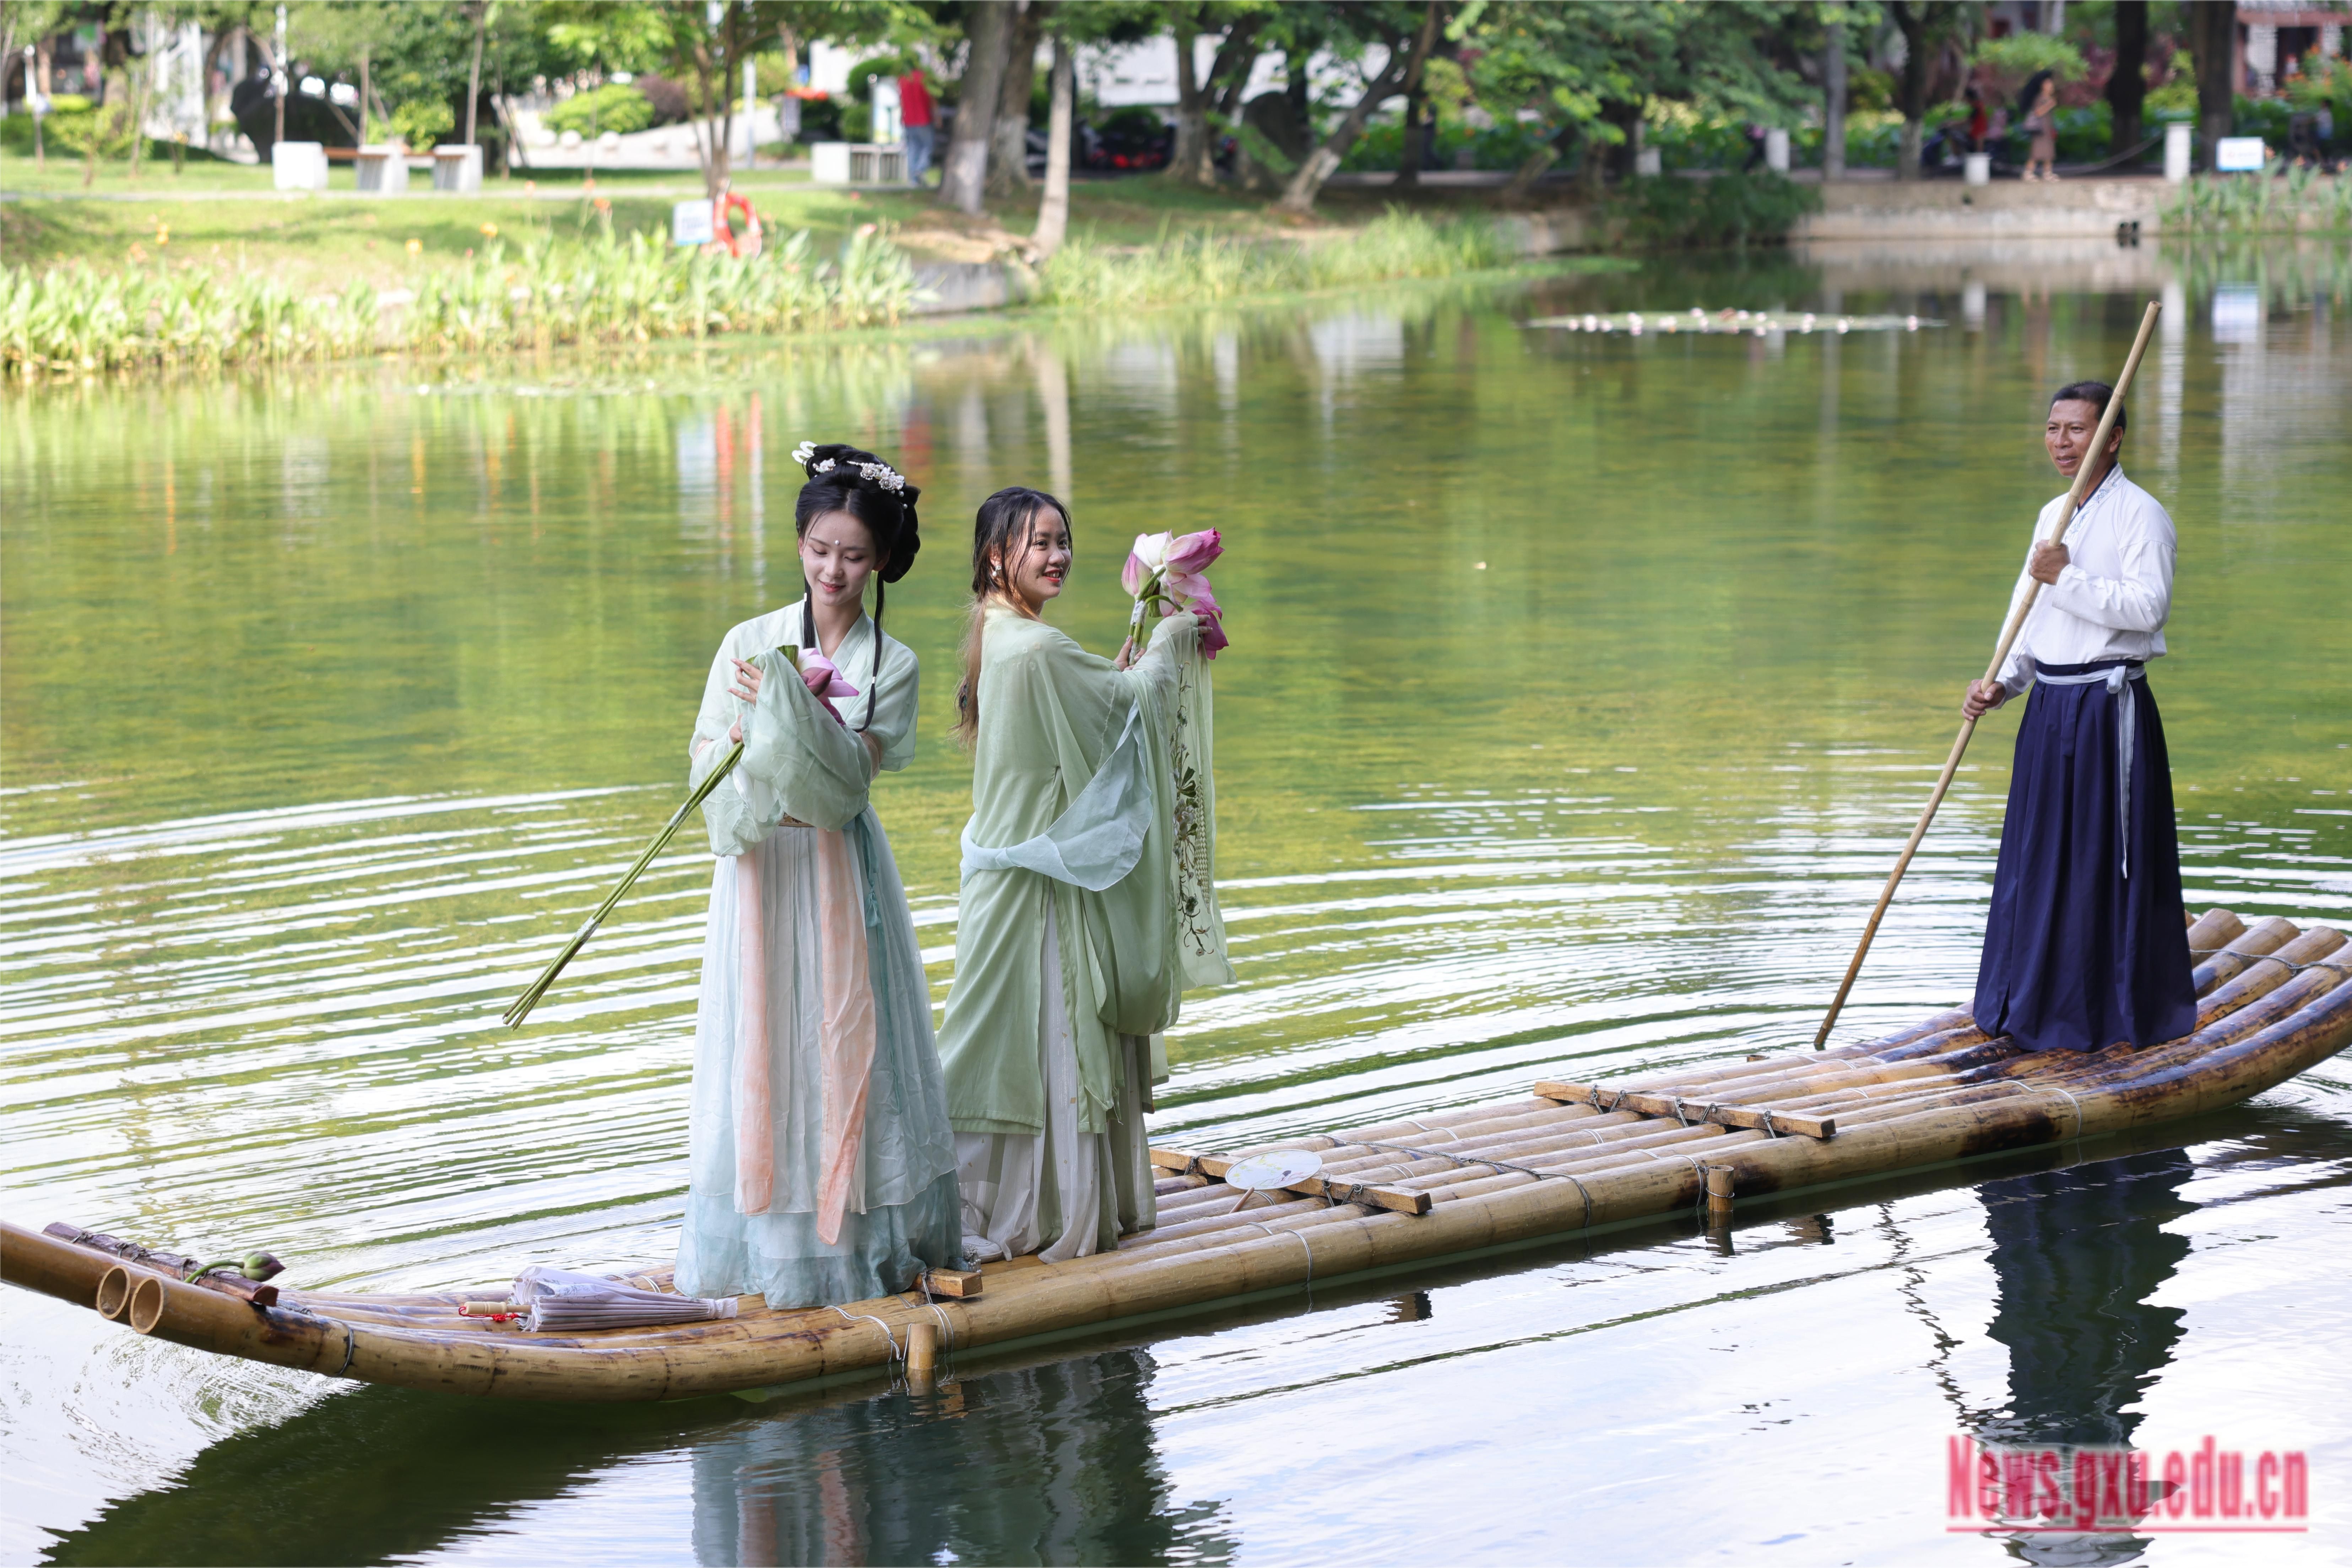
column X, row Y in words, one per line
column 1407, row 34
column 1591, row 70
column 703, row 46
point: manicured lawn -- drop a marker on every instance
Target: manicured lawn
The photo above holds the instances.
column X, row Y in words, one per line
column 226, row 217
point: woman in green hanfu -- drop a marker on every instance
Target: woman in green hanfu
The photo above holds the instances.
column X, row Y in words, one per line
column 822, row 1166
column 1088, row 901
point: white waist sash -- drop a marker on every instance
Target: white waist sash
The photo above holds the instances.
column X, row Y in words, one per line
column 2116, row 678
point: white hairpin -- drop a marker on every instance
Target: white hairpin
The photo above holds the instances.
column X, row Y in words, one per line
column 803, row 452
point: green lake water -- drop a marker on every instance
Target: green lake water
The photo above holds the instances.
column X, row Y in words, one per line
column 1581, row 690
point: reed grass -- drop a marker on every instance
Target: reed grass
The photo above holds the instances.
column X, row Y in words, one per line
column 2301, row 199
column 1201, row 267
column 608, row 288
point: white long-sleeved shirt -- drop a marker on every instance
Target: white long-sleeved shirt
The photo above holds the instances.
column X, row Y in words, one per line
column 2112, row 598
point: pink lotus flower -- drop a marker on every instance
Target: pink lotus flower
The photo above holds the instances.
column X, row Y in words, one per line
column 1191, row 556
column 823, row 677
column 1171, row 571
column 1143, row 562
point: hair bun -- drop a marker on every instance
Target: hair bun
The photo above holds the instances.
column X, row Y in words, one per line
column 843, row 467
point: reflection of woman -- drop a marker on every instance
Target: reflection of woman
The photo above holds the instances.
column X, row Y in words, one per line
column 822, row 1169
column 1087, row 906
column 2040, row 103
column 1047, row 1464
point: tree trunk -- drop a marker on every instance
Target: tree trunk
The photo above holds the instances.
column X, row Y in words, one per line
column 2213, row 43
column 2127, row 85
column 364, row 88
column 1191, row 159
column 473, row 76
column 1054, row 211
column 282, row 71
column 1408, row 175
column 1833, row 102
column 1323, row 161
column 963, row 173
column 1911, row 93
column 1409, row 158
column 1523, row 180
column 1229, row 72
column 1008, row 155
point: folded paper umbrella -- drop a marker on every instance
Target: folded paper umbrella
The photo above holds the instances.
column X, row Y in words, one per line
column 523, row 1005
column 563, row 1302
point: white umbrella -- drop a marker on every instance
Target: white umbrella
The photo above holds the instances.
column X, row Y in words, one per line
column 563, row 1301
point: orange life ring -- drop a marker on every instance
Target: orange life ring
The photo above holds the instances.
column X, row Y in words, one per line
column 749, row 245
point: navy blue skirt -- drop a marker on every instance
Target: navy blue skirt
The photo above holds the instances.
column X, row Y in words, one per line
column 2078, row 955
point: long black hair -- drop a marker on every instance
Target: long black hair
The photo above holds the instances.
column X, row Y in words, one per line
column 1000, row 538
column 848, row 479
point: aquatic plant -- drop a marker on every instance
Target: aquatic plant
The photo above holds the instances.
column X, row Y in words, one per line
column 1203, row 268
column 2257, row 204
column 608, row 289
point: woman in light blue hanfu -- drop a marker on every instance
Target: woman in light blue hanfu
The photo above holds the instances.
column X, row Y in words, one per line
column 822, row 1166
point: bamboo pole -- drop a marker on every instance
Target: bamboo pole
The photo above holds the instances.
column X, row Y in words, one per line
column 2091, row 464
column 521, row 1010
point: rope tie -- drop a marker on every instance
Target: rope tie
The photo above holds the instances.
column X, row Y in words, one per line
column 896, row 1353
column 918, row 1298
column 2073, row 1102
column 1768, row 1127
column 1296, row 1237
column 1449, row 1132
column 2327, row 964
column 350, row 1348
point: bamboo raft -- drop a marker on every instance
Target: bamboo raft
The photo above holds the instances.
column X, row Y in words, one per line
column 2274, row 999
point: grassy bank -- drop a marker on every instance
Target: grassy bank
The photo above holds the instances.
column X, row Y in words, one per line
column 1203, row 266
column 549, row 287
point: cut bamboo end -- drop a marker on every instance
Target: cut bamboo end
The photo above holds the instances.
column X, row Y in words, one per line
column 1760, row 1119
column 146, row 1308
column 113, row 1293
column 1338, row 1191
column 1719, row 1185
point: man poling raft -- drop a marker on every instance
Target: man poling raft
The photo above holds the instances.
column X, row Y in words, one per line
column 2086, row 947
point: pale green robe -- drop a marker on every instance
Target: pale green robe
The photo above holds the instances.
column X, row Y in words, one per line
column 1088, row 905
column 818, row 1173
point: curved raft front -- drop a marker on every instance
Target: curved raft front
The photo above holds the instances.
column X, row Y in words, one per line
column 2275, row 1000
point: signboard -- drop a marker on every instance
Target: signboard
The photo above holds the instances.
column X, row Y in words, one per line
column 2240, row 154
column 690, row 223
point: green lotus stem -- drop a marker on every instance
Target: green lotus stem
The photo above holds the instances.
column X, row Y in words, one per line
column 521, row 1010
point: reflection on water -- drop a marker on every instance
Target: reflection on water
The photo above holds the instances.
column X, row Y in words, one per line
column 1044, row 1463
column 2080, row 1255
column 1582, row 689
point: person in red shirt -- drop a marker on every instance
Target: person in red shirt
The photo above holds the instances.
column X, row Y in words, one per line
column 915, row 114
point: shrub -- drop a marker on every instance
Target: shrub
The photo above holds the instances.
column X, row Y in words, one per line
column 423, row 122
column 618, row 106
column 2019, row 55
column 1668, row 212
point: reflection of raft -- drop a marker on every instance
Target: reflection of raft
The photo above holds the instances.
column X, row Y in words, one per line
column 2274, row 1001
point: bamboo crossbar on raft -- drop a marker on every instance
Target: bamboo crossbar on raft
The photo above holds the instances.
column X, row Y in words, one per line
column 1761, row 1117
column 2274, row 1000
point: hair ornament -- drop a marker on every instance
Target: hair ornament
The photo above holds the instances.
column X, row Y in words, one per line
column 879, row 474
